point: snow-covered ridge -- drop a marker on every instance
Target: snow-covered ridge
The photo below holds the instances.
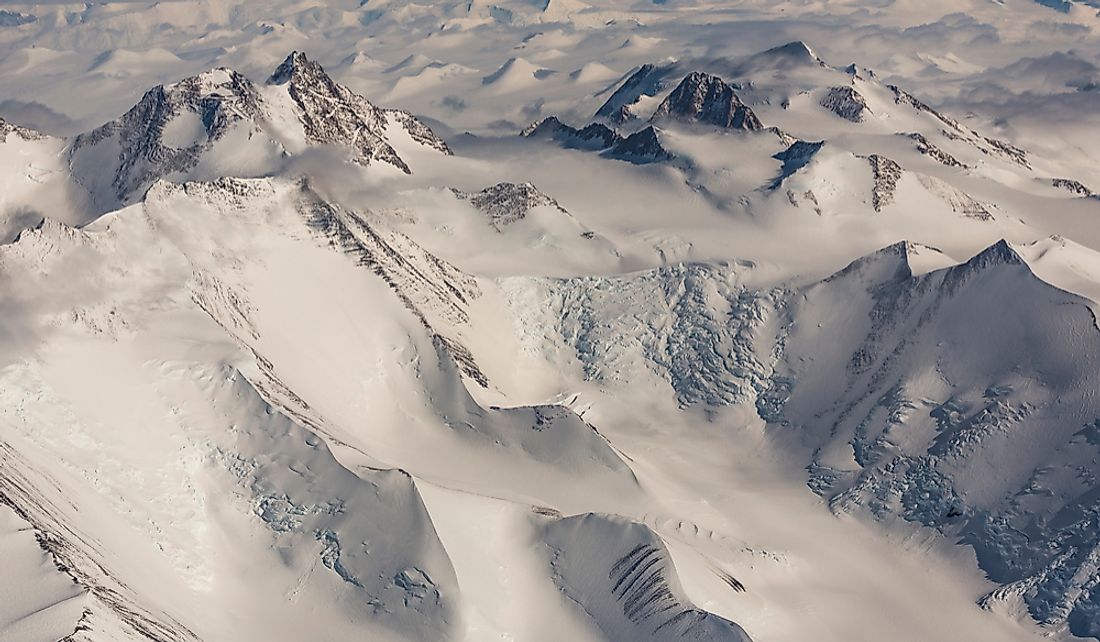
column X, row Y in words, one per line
column 932, row 391
column 7, row 129
column 275, row 358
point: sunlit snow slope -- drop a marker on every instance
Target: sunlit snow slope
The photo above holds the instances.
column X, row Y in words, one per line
column 656, row 321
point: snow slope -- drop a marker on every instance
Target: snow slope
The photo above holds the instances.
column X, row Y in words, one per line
column 655, row 321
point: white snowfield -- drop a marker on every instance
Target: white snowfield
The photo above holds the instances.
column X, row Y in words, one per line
column 657, row 321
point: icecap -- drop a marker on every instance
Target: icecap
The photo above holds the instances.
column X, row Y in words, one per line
column 656, row 321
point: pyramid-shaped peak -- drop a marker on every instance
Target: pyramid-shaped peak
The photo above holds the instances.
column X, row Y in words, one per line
column 294, row 66
column 795, row 53
column 1000, row 253
column 897, row 261
column 705, row 98
column 795, row 48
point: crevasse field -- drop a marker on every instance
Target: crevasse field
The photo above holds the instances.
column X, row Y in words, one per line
column 550, row 320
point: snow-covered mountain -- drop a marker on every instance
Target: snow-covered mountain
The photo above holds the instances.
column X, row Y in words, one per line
column 220, row 123
column 645, row 326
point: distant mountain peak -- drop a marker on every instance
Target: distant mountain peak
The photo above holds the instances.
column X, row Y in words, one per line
column 797, row 49
column 704, row 98
column 898, row 261
column 22, row 132
column 332, row 114
column 505, row 203
column 645, row 81
column 890, row 263
column 641, row 147
column 593, row 137
column 178, row 127
column 1000, row 253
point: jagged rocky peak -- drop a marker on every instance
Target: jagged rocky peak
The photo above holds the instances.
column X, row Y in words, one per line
column 847, row 103
column 221, row 97
column 167, row 132
column 641, row 147
column 296, row 66
column 7, row 128
column 859, row 72
column 332, row 114
column 545, row 128
column 506, row 203
column 705, row 98
column 594, row 136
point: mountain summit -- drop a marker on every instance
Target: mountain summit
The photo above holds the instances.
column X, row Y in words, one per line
column 219, row 122
column 707, row 99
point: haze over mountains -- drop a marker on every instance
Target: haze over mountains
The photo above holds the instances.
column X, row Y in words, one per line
column 586, row 320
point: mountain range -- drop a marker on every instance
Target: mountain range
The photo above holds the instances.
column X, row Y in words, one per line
column 713, row 347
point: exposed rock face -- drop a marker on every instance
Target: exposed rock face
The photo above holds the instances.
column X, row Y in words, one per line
column 594, row 136
column 886, row 174
column 174, row 129
column 902, row 97
column 847, row 103
column 707, row 99
column 955, row 130
column 641, row 147
column 22, row 132
column 334, row 115
column 506, row 203
column 221, row 99
column 435, row 291
column 928, row 148
column 1070, row 185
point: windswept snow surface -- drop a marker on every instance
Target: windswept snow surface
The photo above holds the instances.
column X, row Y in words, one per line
column 591, row 320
